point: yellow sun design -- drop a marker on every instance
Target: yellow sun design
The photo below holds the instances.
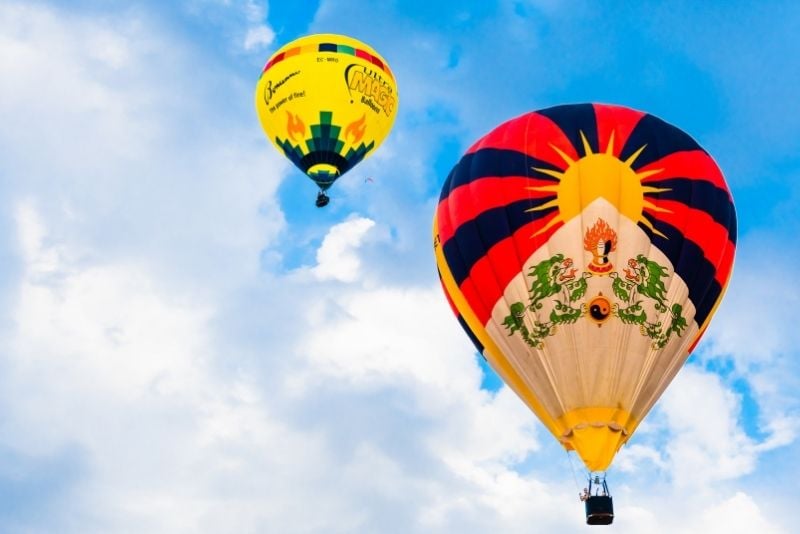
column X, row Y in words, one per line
column 599, row 175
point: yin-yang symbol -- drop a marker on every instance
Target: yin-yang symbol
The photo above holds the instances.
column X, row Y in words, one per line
column 599, row 309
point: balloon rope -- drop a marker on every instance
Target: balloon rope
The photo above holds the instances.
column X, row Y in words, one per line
column 574, row 478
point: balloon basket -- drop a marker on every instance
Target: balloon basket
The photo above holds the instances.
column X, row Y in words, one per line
column 322, row 200
column 599, row 510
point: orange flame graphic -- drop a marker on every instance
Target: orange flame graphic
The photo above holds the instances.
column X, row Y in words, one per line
column 294, row 126
column 356, row 129
column 600, row 240
column 601, row 232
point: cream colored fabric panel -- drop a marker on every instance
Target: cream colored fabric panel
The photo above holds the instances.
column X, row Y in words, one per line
column 589, row 362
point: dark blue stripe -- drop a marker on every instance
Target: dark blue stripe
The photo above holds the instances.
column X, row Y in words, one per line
column 471, row 334
column 700, row 195
column 472, row 239
column 475, row 237
column 461, row 320
column 328, row 47
column 574, row 119
column 689, row 263
column 455, row 261
column 659, row 139
column 495, row 162
column 446, row 185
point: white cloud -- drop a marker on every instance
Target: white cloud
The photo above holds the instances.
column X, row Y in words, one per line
column 407, row 339
column 121, row 140
column 336, row 257
column 636, row 457
column 105, row 359
column 754, row 331
column 101, row 329
column 242, row 20
column 706, row 443
column 258, row 37
column 736, row 515
column 761, row 298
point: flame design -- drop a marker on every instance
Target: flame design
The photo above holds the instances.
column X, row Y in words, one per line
column 600, row 232
column 600, row 240
column 356, row 129
column 295, row 126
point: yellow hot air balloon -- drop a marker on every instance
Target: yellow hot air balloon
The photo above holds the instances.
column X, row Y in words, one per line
column 584, row 249
column 326, row 102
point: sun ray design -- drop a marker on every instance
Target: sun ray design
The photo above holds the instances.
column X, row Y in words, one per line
column 610, row 147
column 635, row 155
column 587, row 149
column 646, row 174
column 598, row 175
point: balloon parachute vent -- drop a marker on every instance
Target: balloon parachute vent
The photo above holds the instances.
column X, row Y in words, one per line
column 599, row 510
column 323, row 172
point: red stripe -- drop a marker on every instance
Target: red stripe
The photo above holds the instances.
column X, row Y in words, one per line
column 490, row 192
column 694, row 164
column 615, row 119
column 724, row 273
column 696, row 341
column 485, row 279
column 473, row 298
column 494, row 271
column 725, row 263
column 532, row 134
column 274, row 60
column 698, row 226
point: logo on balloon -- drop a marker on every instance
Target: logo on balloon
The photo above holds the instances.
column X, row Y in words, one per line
column 557, row 290
column 270, row 88
column 376, row 93
column 600, row 240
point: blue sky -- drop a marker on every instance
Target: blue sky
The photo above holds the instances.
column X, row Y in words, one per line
column 188, row 345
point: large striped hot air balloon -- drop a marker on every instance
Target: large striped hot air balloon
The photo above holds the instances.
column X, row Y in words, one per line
column 326, row 102
column 584, row 249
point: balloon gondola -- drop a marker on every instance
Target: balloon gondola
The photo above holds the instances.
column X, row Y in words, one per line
column 584, row 249
column 322, row 200
column 326, row 102
column 598, row 502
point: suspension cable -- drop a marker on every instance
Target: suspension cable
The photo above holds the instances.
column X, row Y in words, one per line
column 574, row 477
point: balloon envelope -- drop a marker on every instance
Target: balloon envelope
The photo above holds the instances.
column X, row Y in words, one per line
column 584, row 249
column 326, row 102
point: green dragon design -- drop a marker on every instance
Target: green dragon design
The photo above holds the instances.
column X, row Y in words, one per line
column 544, row 284
column 643, row 278
column 651, row 274
column 556, row 276
column 552, row 276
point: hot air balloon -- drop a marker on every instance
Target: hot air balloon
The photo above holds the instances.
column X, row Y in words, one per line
column 326, row 102
column 584, row 249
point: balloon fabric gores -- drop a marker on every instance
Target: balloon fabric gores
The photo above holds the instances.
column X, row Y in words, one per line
column 584, row 249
